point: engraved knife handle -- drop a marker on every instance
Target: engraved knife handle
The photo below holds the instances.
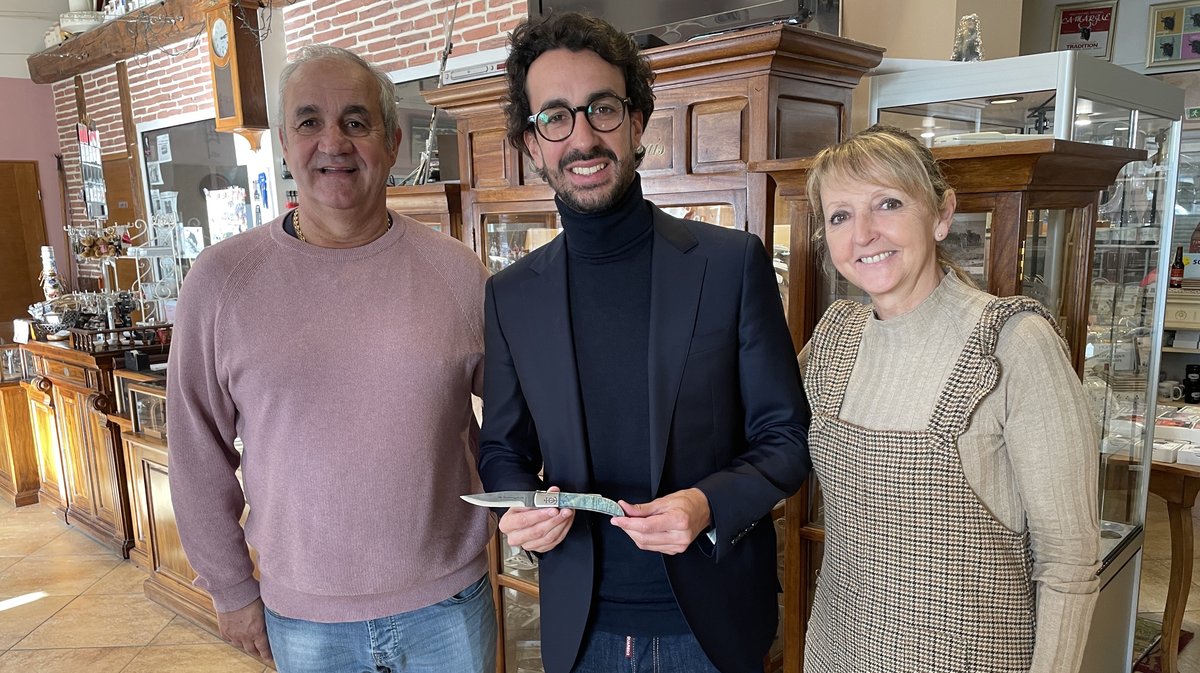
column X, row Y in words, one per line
column 589, row 501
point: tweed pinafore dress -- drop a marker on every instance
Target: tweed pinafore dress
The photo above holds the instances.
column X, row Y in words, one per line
column 917, row 577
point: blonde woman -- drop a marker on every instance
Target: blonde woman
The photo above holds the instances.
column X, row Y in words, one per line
column 951, row 439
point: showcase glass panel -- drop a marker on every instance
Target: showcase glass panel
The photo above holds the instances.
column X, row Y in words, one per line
column 12, row 364
column 516, row 563
column 510, row 236
column 776, row 651
column 1136, row 216
column 149, row 409
column 522, row 633
column 1050, row 238
column 969, row 243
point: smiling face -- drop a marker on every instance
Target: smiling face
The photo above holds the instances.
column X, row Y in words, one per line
column 884, row 241
column 333, row 136
column 589, row 170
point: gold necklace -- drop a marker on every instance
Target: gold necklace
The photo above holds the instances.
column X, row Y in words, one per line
column 300, row 232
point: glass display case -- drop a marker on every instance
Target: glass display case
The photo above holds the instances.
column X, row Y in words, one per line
column 148, row 408
column 13, row 365
column 509, row 236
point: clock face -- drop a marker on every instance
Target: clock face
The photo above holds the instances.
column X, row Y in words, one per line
column 219, row 38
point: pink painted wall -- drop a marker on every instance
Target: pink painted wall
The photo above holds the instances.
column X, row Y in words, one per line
column 31, row 134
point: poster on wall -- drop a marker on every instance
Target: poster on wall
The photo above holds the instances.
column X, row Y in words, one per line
column 191, row 242
column 1174, row 38
column 164, row 147
column 1087, row 27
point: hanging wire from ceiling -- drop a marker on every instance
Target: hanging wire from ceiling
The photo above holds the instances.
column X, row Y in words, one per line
column 143, row 25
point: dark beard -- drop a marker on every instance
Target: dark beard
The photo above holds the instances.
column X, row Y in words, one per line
column 624, row 173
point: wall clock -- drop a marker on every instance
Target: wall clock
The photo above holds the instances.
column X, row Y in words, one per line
column 235, row 61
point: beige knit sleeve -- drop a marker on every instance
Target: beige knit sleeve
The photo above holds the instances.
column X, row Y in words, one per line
column 1051, row 443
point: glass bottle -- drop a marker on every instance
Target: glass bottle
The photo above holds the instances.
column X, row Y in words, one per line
column 51, row 284
column 1177, row 269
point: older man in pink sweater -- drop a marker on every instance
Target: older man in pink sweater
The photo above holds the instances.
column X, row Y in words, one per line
column 341, row 343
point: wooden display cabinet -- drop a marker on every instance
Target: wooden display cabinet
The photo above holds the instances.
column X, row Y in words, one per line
column 1019, row 190
column 75, row 389
column 123, row 417
column 721, row 104
column 438, row 205
column 45, row 440
column 18, row 453
column 157, row 546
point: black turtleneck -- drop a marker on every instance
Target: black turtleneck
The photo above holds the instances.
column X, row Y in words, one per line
column 608, row 277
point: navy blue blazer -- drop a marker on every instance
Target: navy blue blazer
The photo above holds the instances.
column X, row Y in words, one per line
column 728, row 415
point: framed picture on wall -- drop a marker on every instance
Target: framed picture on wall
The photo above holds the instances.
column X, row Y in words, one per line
column 1086, row 27
column 1174, row 34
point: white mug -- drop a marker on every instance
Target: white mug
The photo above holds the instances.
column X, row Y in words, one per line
column 1170, row 390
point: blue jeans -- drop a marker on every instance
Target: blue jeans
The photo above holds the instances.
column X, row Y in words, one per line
column 611, row 653
column 458, row 634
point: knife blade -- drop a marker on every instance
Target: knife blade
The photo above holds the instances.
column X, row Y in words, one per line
column 585, row 501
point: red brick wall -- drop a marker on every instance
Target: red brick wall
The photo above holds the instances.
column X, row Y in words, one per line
column 397, row 34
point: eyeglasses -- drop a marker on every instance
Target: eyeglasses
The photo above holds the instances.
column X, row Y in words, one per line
column 557, row 122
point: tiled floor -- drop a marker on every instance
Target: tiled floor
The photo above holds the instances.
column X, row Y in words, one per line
column 68, row 605
column 1156, row 570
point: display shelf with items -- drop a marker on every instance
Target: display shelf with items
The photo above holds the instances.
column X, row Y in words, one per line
column 721, row 103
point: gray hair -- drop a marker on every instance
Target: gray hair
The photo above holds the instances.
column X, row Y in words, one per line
column 314, row 52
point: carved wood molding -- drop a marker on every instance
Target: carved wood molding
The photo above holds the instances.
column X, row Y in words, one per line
column 101, row 403
column 42, row 384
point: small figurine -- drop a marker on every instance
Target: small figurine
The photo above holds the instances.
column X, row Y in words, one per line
column 968, row 41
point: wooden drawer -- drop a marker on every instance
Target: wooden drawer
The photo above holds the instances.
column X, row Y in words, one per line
column 66, row 372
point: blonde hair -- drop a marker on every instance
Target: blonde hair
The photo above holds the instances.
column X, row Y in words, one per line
column 885, row 155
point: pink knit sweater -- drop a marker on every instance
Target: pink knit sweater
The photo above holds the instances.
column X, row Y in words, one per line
column 348, row 376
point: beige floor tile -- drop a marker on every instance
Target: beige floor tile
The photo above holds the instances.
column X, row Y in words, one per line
column 126, row 578
column 100, row 621
column 182, row 632
column 7, row 561
column 72, row 543
column 17, row 622
column 91, row 660
column 1152, row 592
column 20, row 539
column 1157, row 546
column 63, row 575
column 193, row 659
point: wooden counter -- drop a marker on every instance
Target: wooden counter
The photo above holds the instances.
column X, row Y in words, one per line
column 80, row 459
column 19, row 478
column 156, row 546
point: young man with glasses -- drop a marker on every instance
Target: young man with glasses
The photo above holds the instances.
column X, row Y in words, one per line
column 644, row 358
